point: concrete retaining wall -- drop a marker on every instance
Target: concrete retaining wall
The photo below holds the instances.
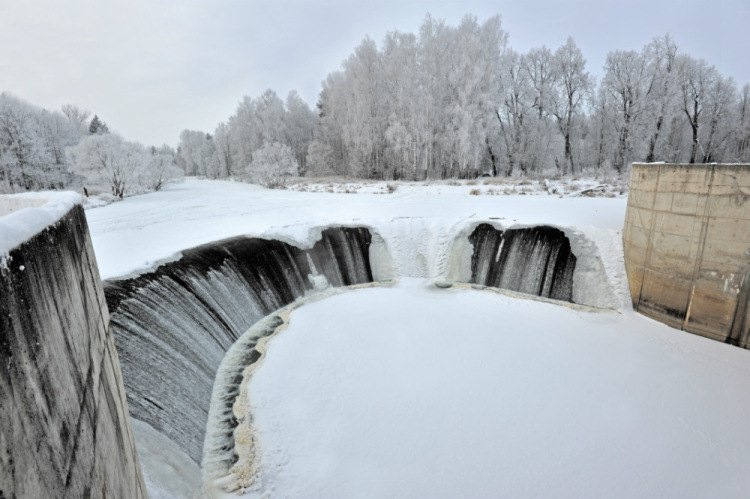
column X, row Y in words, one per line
column 687, row 247
column 64, row 426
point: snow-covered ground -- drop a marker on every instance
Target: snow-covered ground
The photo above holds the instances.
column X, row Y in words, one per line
column 415, row 391
column 412, row 390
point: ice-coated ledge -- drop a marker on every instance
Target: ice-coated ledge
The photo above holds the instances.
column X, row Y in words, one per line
column 24, row 215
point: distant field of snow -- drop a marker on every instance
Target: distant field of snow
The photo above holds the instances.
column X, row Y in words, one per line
column 415, row 391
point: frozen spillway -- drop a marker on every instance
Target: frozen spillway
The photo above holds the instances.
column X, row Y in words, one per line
column 533, row 260
column 173, row 325
column 551, row 262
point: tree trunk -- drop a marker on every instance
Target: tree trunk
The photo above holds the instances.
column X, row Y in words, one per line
column 622, row 145
column 652, row 143
column 493, row 159
column 694, row 126
column 694, row 147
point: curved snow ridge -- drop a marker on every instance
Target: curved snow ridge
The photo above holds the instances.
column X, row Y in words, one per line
column 24, row 215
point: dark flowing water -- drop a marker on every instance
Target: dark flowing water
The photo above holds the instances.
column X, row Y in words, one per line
column 534, row 260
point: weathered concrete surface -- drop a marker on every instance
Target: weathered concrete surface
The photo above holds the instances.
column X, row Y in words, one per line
column 64, row 426
column 687, row 247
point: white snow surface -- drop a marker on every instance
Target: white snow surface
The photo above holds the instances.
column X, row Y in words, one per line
column 415, row 391
column 24, row 215
column 417, row 221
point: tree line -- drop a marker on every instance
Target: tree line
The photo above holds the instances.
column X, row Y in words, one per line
column 42, row 149
column 446, row 102
column 458, row 101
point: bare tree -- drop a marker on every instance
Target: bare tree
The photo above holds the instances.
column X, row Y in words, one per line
column 627, row 85
column 695, row 78
column 572, row 84
column 660, row 56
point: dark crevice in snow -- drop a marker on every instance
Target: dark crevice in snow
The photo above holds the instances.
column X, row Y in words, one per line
column 534, row 260
column 173, row 326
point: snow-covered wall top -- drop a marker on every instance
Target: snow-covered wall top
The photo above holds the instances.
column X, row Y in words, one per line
column 24, row 215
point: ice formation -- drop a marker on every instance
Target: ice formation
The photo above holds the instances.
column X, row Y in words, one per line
column 534, row 260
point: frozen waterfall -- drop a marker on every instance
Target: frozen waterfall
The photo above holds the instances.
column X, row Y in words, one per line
column 173, row 326
column 534, row 260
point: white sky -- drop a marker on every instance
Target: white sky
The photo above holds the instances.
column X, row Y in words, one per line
column 152, row 68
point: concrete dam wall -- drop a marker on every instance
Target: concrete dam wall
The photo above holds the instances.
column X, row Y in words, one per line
column 64, row 426
column 687, row 247
column 174, row 325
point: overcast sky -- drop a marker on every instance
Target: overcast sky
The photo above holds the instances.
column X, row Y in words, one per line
column 152, row 68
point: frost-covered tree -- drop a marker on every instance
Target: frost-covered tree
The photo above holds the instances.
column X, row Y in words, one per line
column 626, row 86
column 109, row 160
column 29, row 139
column 455, row 101
column 223, row 159
column 159, row 169
column 660, row 55
column 741, row 148
column 695, row 76
column 272, row 165
column 514, row 113
column 572, row 86
column 299, row 125
column 539, row 65
column 320, row 158
column 420, row 106
column 721, row 119
column 195, row 154
column 77, row 117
